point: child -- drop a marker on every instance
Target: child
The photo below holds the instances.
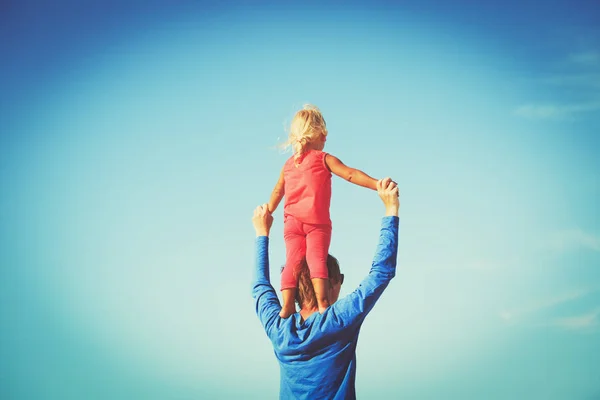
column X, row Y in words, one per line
column 305, row 180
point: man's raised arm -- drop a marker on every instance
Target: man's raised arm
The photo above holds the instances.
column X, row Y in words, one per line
column 265, row 299
column 355, row 307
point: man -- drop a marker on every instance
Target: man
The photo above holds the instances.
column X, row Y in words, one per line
column 317, row 352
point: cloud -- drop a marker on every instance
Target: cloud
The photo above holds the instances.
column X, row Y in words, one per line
column 573, row 239
column 532, row 314
column 581, row 82
column 580, row 322
column 555, row 111
column 517, row 314
column 588, row 58
column 481, row 264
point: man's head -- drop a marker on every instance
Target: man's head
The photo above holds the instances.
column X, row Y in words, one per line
column 305, row 295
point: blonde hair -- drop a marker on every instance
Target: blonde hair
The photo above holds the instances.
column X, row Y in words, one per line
column 307, row 126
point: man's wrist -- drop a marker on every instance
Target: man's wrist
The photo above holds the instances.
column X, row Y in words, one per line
column 262, row 232
column 391, row 211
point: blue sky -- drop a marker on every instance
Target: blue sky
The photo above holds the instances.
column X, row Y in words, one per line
column 136, row 138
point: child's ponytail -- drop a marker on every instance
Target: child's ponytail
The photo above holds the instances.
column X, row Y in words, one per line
column 298, row 146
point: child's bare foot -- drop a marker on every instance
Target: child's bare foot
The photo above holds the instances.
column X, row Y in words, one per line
column 287, row 310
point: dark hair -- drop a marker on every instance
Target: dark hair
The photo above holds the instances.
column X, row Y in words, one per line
column 305, row 294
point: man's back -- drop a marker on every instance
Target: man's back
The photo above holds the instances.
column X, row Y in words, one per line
column 317, row 357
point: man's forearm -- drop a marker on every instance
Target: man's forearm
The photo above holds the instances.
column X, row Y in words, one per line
column 262, row 259
column 265, row 299
column 354, row 307
column 386, row 255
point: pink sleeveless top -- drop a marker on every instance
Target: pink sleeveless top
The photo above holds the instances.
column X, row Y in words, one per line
column 308, row 188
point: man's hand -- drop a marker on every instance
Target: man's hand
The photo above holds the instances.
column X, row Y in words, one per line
column 388, row 191
column 262, row 220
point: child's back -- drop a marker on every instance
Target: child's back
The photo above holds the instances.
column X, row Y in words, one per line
column 308, row 188
column 305, row 180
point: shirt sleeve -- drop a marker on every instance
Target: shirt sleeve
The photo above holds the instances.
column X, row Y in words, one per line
column 265, row 299
column 353, row 308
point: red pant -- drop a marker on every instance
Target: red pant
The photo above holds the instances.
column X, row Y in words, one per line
column 304, row 240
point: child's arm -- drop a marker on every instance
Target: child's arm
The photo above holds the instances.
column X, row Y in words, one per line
column 277, row 193
column 353, row 175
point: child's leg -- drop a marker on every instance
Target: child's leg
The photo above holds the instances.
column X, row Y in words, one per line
column 289, row 302
column 318, row 239
column 295, row 251
column 321, row 287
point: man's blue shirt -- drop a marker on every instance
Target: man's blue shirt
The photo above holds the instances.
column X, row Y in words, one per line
column 317, row 357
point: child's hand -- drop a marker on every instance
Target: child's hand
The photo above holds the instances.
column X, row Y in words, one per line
column 388, row 191
column 262, row 220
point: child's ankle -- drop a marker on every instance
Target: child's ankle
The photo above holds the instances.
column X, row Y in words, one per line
column 323, row 305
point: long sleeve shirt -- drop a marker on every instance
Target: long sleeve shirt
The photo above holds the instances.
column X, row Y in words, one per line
column 317, row 356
